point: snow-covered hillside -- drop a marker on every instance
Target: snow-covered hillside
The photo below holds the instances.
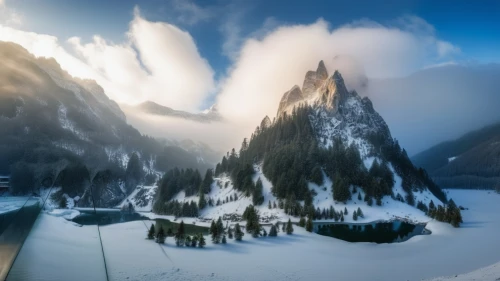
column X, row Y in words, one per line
column 222, row 191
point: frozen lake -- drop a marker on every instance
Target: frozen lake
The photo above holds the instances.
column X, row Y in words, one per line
column 58, row 250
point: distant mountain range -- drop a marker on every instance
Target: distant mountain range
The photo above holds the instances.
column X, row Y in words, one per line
column 471, row 161
column 152, row 108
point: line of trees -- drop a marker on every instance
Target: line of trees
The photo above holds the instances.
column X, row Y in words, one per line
column 181, row 239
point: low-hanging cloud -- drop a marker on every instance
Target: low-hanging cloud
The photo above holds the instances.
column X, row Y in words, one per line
column 269, row 66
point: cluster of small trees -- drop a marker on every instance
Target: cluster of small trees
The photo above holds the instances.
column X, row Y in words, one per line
column 211, row 202
column 181, row 239
column 219, row 232
column 357, row 214
column 176, row 180
column 450, row 213
column 178, row 209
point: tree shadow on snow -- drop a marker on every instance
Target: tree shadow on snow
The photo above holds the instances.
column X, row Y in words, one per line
column 473, row 224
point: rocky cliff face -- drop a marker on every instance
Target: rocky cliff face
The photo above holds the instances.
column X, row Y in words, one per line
column 314, row 80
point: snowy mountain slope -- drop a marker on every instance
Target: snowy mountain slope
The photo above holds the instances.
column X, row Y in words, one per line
column 324, row 199
column 52, row 124
column 141, row 198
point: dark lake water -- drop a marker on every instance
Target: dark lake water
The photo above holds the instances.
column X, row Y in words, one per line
column 112, row 216
column 378, row 232
column 105, row 217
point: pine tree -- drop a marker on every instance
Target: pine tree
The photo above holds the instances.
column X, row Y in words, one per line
column 257, row 196
column 202, row 202
column 355, row 216
column 345, row 211
column 317, row 175
column 302, row 222
column 359, row 196
column 194, row 241
column 224, row 241
column 213, row 231
column 269, row 206
column 238, row 234
column 309, row 224
column 206, row 184
column 160, row 236
column 360, row 213
column 220, row 230
column 273, row 232
column 341, row 217
column 289, row 227
column 201, row 240
column 283, row 227
column 180, row 235
column 151, row 232
column 274, row 205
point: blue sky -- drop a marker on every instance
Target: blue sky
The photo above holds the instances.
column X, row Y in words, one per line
column 473, row 26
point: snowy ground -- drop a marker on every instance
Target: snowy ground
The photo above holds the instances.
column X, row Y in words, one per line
column 302, row 256
column 12, row 203
column 489, row 273
column 59, row 250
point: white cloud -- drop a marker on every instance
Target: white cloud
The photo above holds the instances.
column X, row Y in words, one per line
column 9, row 16
column 158, row 62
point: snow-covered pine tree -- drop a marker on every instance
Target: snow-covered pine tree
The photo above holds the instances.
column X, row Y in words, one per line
column 309, row 224
column 289, row 227
column 360, row 213
column 302, row 222
column 194, row 241
column 151, row 232
column 180, row 235
column 160, row 236
column 220, row 230
column 273, row 232
column 238, row 234
column 201, row 241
